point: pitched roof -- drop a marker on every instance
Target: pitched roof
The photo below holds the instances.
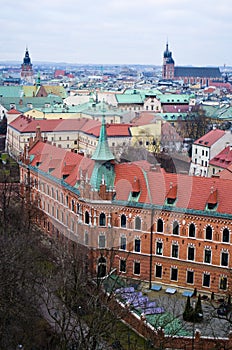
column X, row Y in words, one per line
column 191, row 192
column 198, row 72
column 210, row 138
column 112, row 130
column 174, row 98
column 222, row 159
column 28, row 125
column 13, row 111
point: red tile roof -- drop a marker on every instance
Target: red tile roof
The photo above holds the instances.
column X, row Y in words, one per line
column 210, row 138
column 13, row 111
column 112, row 130
column 28, row 125
column 191, row 192
column 222, row 159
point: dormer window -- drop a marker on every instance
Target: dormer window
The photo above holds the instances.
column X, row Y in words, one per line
column 212, row 200
column 171, row 195
column 135, row 193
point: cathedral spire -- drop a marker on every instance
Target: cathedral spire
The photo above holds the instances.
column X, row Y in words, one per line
column 103, row 152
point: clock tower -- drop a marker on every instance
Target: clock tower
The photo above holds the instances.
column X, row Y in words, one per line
column 26, row 68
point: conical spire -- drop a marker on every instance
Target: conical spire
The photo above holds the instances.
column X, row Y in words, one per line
column 103, row 152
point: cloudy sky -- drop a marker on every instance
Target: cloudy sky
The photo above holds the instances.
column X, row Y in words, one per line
column 117, row 31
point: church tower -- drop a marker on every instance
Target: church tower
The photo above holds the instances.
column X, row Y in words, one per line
column 103, row 174
column 168, row 64
column 26, row 68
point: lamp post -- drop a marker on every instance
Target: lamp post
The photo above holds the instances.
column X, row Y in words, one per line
column 193, row 330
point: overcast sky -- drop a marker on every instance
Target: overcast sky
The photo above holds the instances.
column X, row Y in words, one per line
column 117, row 31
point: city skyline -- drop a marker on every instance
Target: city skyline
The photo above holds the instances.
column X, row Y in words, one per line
column 117, row 32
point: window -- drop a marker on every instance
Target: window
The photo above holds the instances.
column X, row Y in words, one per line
column 123, row 220
column 174, row 274
column 226, row 235
column 208, row 233
column 206, row 280
column 207, row 258
column 102, row 241
column 202, row 152
column 102, row 220
column 190, row 276
column 206, row 153
column 123, row 243
column 159, row 248
column 175, row 228
column 175, row 250
column 158, row 271
column 192, row 230
column 137, row 245
column 223, row 283
column 137, row 223
column 73, row 205
column 137, row 268
column 224, row 259
column 160, row 225
column 86, row 217
column 122, row 267
column 191, row 253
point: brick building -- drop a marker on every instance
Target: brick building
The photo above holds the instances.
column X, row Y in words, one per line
column 189, row 75
column 169, row 229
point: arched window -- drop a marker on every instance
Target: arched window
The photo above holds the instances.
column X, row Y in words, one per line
column 123, row 220
column 226, row 235
column 102, row 219
column 160, row 225
column 86, row 217
column 137, row 223
column 101, row 267
column 208, row 232
column 175, row 228
column 192, row 230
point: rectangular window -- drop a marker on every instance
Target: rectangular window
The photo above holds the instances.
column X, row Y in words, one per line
column 191, row 252
column 190, row 275
column 175, row 250
column 159, row 248
column 123, row 243
column 206, row 280
column 224, row 261
column 122, row 265
column 137, row 268
column 137, row 245
column 223, row 283
column 202, row 152
column 207, row 258
column 158, row 271
column 174, row 274
column 102, row 241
